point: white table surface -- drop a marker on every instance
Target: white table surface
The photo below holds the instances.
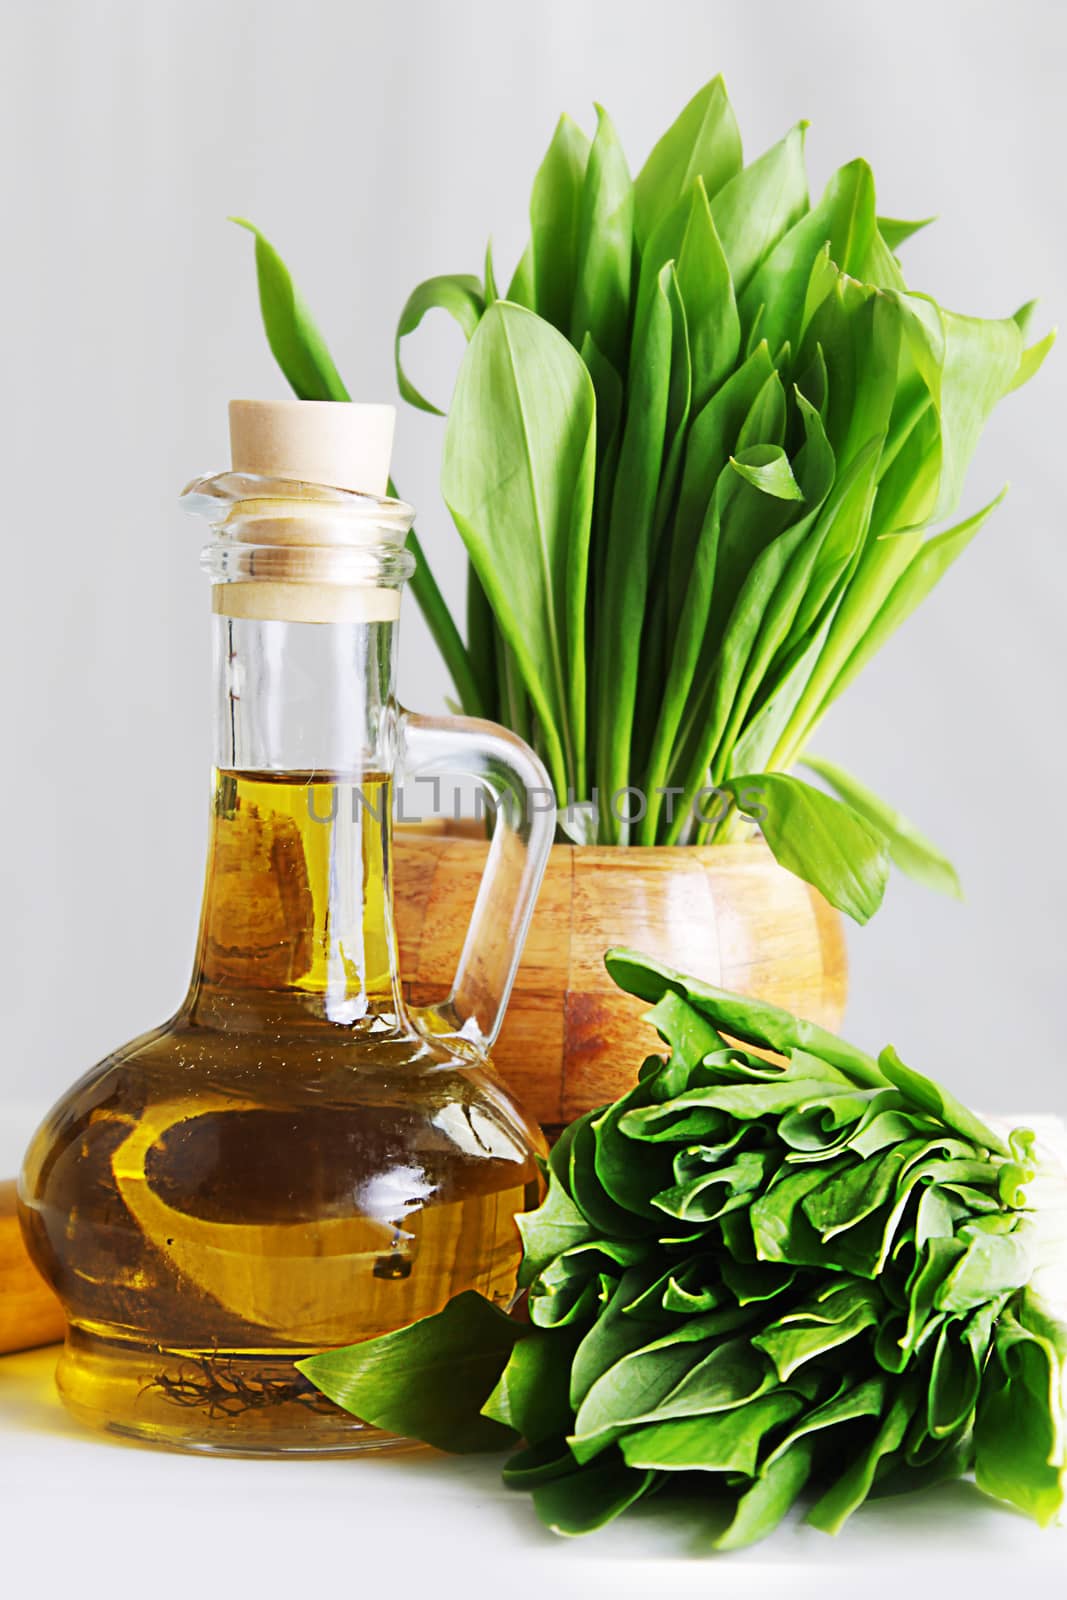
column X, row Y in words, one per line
column 82, row 1516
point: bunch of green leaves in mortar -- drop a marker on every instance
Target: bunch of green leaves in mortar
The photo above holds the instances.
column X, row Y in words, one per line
column 825, row 1279
column 693, row 453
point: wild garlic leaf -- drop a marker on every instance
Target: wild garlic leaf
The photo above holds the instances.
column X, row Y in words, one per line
column 520, row 451
column 864, row 629
column 490, row 291
column 760, row 204
column 857, row 332
column 851, row 1403
column 896, row 232
column 968, row 364
column 555, row 223
column 797, row 1339
column 428, row 1381
column 531, row 1395
column 769, row 1497
column 295, row 341
column 589, row 1499
column 909, row 849
column 564, row 1294
column 691, row 1037
column 613, row 1335
column 849, row 1491
column 761, row 610
column 713, row 438
column 767, row 469
column 736, row 1101
column 767, row 606
column 1032, row 360
column 1034, row 355
column 956, row 1373
column 482, row 643
column 765, row 423
column 609, row 1218
column 742, row 1017
column 601, row 303
column 306, row 363
column 703, row 142
column 755, row 499
column 844, row 217
column 992, row 1264
column 936, row 1099
column 539, row 1463
column 521, row 289
column 730, row 1376
column 694, row 566
column 839, row 539
column 679, row 405
column 1019, row 1448
column 458, row 294
column 552, row 1229
column 707, row 291
column 629, row 1392
column 631, row 1175
column 626, row 569
column 707, row 1196
column 819, row 838
column 729, row 1441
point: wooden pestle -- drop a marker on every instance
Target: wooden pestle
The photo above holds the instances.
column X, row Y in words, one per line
column 30, row 1314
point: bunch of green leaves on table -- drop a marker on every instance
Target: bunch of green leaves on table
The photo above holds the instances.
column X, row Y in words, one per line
column 694, row 452
column 817, row 1279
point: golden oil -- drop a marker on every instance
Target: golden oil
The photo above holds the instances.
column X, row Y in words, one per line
column 288, row 1164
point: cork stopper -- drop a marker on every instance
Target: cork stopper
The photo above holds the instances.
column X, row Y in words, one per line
column 330, row 550
column 337, row 443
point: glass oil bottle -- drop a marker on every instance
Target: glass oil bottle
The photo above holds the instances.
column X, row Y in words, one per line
column 296, row 1160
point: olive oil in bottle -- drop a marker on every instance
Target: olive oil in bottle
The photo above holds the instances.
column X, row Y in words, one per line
column 294, row 1161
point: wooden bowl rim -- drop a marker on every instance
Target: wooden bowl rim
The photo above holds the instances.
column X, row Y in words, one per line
column 754, row 853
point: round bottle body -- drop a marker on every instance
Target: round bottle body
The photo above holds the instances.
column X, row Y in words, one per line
column 210, row 1206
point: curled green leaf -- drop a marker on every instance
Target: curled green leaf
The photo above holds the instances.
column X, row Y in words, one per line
column 461, row 296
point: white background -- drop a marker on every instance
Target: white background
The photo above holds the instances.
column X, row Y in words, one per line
column 377, row 144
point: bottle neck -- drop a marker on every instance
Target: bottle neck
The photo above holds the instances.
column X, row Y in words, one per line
column 304, row 696
column 297, row 917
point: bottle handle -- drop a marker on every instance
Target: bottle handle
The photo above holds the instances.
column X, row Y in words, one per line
column 524, row 827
